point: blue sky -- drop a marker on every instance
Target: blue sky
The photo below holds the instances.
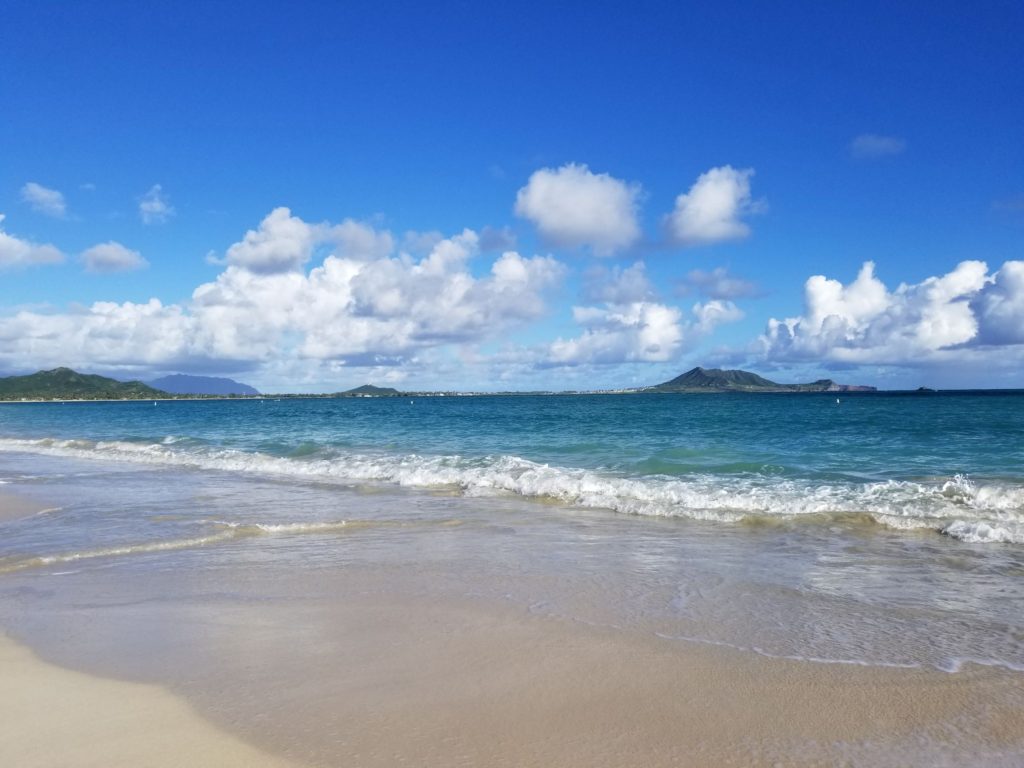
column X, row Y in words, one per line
column 469, row 192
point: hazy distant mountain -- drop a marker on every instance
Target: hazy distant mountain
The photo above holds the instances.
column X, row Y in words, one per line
column 716, row 380
column 180, row 384
column 66, row 384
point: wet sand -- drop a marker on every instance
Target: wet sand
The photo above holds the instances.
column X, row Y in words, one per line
column 385, row 681
column 464, row 683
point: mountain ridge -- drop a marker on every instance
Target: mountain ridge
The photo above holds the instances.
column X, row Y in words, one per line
column 66, row 384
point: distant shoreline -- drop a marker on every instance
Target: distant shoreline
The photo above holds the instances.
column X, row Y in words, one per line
column 566, row 393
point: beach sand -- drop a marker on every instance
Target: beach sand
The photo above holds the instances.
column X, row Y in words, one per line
column 445, row 682
column 56, row 718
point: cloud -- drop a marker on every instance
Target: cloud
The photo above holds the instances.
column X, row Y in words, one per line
column 361, row 305
column 44, row 200
column 105, row 334
column 570, row 206
column 419, row 242
column 944, row 318
column 111, row 257
column 711, row 314
column 154, row 207
column 15, row 252
column 637, row 331
column 617, row 285
column 641, row 331
column 282, row 243
column 710, row 212
column 869, row 146
column 717, row 284
column 999, row 307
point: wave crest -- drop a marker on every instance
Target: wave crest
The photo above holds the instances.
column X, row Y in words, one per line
column 957, row 507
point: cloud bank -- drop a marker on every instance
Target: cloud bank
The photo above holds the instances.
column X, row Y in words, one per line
column 363, row 304
column 949, row 317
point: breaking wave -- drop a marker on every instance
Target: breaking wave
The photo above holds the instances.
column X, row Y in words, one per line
column 957, row 507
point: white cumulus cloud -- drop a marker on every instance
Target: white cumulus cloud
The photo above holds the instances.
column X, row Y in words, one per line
column 363, row 304
column 642, row 331
column 934, row 320
column 712, row 210
column 154, row 207
column 282, row 243
column 111, row 257
column 15, row 252
column 571, row 206
column 999, row 308
column 103, row 334
column 632, row 327
column 44, row 200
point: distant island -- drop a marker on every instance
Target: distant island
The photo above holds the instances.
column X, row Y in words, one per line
column 66, row 384
column 716, row 380
column 368, row 390
column 182, row 384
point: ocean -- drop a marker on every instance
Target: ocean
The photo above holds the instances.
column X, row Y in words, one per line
column 877, row 530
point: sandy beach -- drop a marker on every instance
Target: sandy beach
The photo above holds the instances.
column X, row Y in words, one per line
column 51, row 717
column 441, row 683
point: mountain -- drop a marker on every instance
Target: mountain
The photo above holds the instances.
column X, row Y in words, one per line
column 368, row 390
column 66, row 384
column 716, row 380
column 180, row 384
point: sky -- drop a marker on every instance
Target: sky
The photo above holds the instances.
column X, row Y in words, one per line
column 309, row 196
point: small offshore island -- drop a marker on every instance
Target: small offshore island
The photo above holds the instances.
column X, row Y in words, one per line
column 62, row 384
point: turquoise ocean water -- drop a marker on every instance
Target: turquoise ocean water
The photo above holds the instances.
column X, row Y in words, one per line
column 869, row 529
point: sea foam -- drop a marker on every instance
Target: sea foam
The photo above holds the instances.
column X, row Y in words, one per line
column 957, row 506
